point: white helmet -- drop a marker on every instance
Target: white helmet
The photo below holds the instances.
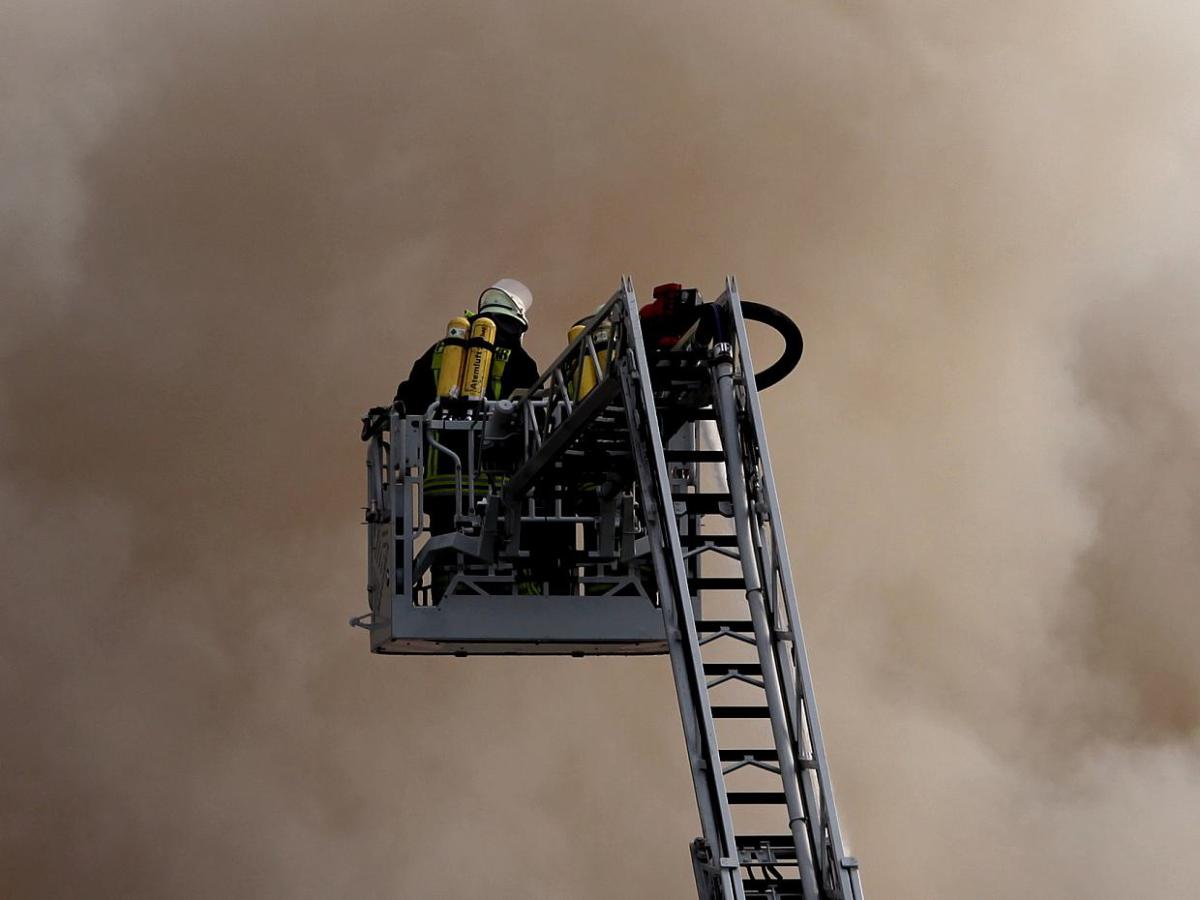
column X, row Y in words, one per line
column 507, row 297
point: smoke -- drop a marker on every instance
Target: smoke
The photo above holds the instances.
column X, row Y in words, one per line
column 227, row 229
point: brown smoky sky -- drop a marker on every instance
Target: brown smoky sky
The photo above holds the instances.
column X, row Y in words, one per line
column 226, row 230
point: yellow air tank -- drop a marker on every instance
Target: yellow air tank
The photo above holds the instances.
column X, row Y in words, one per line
column 478, row 364
column 577, row 382
column 454, row 351
column 586, row 379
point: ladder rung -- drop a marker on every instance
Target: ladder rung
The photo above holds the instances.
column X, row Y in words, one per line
column 711, row 540
column 590, row 453
column 703, row 503
column 695, row 456
column 741, row 712
column 716, row 584
column 673, row 358
column 757, row 849
column 711, row 625
column 757, row 755
column 615, row 437
column 773, row 888
column 761, row 798
column 733, row 668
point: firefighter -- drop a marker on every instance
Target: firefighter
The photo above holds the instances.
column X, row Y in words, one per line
column 506, row 303
column 500, row 321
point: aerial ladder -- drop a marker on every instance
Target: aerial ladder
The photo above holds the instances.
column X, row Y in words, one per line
column 626, row 504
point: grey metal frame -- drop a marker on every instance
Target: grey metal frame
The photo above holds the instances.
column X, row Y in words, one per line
column 635, row 433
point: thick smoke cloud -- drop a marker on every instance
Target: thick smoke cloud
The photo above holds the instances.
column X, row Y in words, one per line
column 227, row 229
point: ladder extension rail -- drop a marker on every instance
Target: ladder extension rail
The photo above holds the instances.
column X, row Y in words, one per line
column 839, row 872
column 799, row 808
column 674, row 596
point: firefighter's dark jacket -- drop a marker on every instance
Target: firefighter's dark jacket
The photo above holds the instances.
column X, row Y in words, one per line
column 420, row 388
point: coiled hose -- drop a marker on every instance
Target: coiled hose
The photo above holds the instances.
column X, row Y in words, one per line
column 793, row 342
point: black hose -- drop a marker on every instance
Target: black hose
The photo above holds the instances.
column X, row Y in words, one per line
column 793, row 342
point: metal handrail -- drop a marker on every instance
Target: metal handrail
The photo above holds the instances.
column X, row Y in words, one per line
column 601, row 316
